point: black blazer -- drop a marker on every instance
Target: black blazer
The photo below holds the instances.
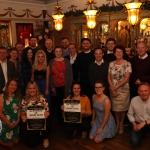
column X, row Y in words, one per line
column 11, row 73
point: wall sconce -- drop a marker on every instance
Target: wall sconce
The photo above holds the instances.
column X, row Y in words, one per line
column 91, row 14
column 58, row 17
column 143, row 26
column 133, row 12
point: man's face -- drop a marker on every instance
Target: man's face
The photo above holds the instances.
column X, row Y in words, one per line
column 33, row 42
column 141, row 49
column 20, row 48
column 110, row 45
column 86, row 45
column 98, row 54
column 48, row 44
column 64, row 43
column 3, row 54
column 144, row 92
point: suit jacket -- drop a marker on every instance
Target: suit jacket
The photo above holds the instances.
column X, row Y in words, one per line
column 11, row 73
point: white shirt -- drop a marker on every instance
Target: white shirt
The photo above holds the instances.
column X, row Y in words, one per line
column 72, row 59
column 4, row 68
column 109, row 52
column 146, row 55
column 100, row 63
column 139, row 110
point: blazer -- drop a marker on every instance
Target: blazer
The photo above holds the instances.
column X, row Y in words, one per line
column 11, row 73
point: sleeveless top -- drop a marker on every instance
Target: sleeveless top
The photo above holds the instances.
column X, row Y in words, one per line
column 39, row 74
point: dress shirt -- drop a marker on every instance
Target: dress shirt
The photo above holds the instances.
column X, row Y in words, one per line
column 146, row 55
column 72, row 59
column 109, row 52
column 100, row 63
column 139, row 110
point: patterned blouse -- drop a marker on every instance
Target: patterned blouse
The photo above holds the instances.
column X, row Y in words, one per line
column 59, row 73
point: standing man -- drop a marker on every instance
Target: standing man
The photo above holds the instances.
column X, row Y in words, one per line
column 140, row 68
column 139, row 114
column 98, row 69
column 20, row 48
column 32, row 45
column 64, row 45
column 7, row 68
column 49, row 50
column 83, row 61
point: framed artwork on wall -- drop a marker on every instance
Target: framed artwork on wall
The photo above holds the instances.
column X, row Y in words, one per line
column 24, row 32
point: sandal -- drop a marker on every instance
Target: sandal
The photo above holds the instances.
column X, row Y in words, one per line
column 46, row 143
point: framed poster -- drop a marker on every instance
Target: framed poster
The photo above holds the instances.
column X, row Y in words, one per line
column 24, row 31
column 36, row 119
column 72, row 111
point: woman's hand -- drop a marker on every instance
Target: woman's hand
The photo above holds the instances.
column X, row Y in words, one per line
column 114, row 94
column 92, row 122
column 15, row 123
column 24, row 118
column 46, row 92
column 83, row 112
column 62, row 107
column 99, row 130
column 53, row 90
column 113, row 88
column 46, row 114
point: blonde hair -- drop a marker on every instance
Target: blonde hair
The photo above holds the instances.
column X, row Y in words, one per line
column 38, row 94
column 36, row 60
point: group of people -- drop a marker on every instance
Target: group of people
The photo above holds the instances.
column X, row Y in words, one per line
column 101, row 80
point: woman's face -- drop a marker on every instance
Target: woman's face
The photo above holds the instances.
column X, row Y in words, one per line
column 40, row 57
column 76, row 89
column 29, row 54
column 72, row 49
column 12, row 87
column 58, row 52
column 14, row 54
column 99, row 88
column 118, row 53
column 32, row 91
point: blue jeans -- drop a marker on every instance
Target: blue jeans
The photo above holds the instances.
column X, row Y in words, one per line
column 136, row 137
column 42, row 87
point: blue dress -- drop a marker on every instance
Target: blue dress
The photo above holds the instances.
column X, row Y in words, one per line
column 109, row 129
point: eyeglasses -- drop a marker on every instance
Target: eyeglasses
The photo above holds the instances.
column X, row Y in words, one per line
column 98, row 87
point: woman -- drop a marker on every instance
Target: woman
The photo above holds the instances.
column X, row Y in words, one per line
column 72, row 58
column 85, row 110
column 27, row 66
column 14, row 58
column 118, row 78
column 103, row 123
column 41, row 73
column 10, row 114
column 33, row 97
column 60, row 79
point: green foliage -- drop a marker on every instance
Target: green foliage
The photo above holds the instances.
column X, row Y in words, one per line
column 146, row 6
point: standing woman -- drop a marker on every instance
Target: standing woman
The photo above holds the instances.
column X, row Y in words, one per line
column 10, row 114
column 60, row 79
column 72, row 58
column 27, row 66
column 118, row 78
column 103, row 123
column 41, row 73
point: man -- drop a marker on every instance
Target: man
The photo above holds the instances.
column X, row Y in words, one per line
column 98, row 69
column 139, row 114
column 20, row 48
column 83, row 61
column 7, row 69
column 64, row 45
column 109, row 54
column 140, row 68
column 49, row 50
column 32, row 45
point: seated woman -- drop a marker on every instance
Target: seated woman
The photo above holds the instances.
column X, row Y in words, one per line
column 85, row 111
column 10, row 114
column 33, row 97
column 103, row 123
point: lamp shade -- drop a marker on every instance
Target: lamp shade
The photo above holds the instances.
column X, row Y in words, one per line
column 58, row 22
column 133, row 12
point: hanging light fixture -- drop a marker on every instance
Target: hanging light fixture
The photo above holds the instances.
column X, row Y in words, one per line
column 58, row 16
column 133, row 11
column 91, row 14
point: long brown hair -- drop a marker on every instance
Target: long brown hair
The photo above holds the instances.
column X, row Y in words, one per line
column 6, row 91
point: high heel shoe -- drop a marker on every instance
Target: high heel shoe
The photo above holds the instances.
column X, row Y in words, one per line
column 121, row 131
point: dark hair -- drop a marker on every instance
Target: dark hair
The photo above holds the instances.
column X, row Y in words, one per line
column 18, row 43
column 14, row 49
column 143, row 83
column 99, row 49
column 111, row 39
column 2, row 47
column 71, row 93
column 6, row 92
column 85, row 39
column 57, row 47
column 33, row 37
column 121, row 47
column 64, row 38
column 101, row 82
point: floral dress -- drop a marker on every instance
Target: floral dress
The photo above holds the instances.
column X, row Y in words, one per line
column 10, row 110
column 117, row 72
